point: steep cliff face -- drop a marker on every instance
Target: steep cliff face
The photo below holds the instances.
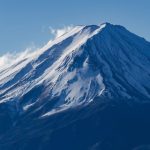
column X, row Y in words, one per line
column 86, row 74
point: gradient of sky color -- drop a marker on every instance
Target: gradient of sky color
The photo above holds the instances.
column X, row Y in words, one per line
column 25, row 23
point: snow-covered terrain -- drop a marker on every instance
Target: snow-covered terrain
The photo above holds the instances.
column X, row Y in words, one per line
column 75, row 67
column 55, row 67
column 89, row 63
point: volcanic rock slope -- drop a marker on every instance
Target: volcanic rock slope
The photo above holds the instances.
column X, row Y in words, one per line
column 87, row 90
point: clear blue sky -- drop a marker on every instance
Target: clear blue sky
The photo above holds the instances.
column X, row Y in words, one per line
column 24, row 22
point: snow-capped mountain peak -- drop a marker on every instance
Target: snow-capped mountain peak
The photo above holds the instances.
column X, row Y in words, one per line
column 85, row 63
column 88, row 89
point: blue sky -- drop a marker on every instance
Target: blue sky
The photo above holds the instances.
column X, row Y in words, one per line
column 25, row 23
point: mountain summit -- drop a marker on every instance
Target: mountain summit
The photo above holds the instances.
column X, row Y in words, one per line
column 89, row 70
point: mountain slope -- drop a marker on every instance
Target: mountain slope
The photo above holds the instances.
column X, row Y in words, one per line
column 49, row 67
column 86, row 74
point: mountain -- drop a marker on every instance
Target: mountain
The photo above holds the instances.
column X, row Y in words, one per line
column 87, row 90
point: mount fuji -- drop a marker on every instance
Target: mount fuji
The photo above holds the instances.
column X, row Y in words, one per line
column 88, row 89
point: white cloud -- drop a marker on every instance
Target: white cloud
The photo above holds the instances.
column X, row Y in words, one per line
column 11, row 58
column 60, row 31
